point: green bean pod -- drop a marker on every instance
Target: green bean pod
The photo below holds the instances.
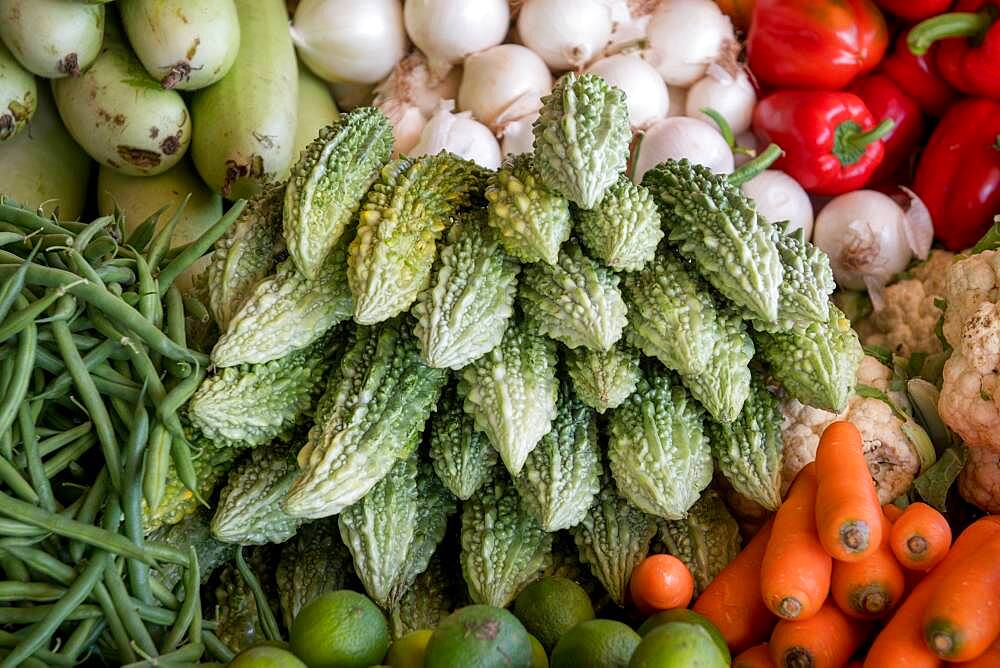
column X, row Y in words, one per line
column 245, row 124
column 52, row 38
column 18, row 95
column 184, row 44
column 120, row 116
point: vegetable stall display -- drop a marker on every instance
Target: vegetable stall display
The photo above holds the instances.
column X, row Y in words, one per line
column 630, row 332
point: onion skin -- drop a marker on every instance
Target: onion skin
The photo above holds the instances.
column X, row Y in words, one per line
column 779, row 197
column 448, row 31
column 52, row 38
column 681, row 137
column 705, row 30
column 567, row 34
column 502, row 84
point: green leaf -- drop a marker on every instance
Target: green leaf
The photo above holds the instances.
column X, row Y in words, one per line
column 933, row 485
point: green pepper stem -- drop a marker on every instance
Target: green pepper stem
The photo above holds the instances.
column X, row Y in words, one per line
column 944, row 26
column 878, row 132
column 850, row 143
column 749, row 170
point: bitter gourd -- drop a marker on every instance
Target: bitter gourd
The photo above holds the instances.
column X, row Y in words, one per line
column 194, row 531
column 613, row 538
column 533, row 221
column 431, row 597
column 393, row 531
column 503, row 547
column 575, row 301
column 603, row 379
column 706, row 540
column 178, row 502
column 561, row 475
column 671, row 314
column 657, row 448
column 623, row 230
column 462, row 456
column 401, row 218
column 328, row 181
column 373, row 410
column 748, row 452
column 725, row 383
column 715, row 226
column 581, row 138
column 464, row 312
column 511, row 393
column 287, row 312
column 246, row 254
column 315, row 561
column 252, row 404
column 249, row 510
column 816, row 364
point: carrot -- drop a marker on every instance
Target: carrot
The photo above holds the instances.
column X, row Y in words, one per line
column 920, row 538
column 962, row 618
column 661, row 582
column 732, row 600
column 872, row 587
column 757, row 656
column 892, row 511
column 988, row 659
column 795, row 573
column 848, row 514
column 825, row 640
column 901, row 642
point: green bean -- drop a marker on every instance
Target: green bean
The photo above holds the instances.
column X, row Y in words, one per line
column 194, row 308
column 101, row 298
column 29, row 220
column 143, row 232
column 109, row 372
column 150, row 305
column 7, row 238
column 92, row 502
column 161, row 616
column 18, row 485
column 100, row 247
column 15, row 529
column 83, row 636
column 12, row 592
column 186, row 654
column 63, row 438
column 27, row 662
column 267, row 620
column 180, row 455
column 176, row 329
column 13, row 286
column 46, row 361
column 96, row 226
column 36, row 471
column 18, row 388
column 55, row 261
column 189, row 608
column 69, row 604
column 161, row 243
column 135, row 448
column 162, row 594
column 14, row 569
column 111, row 388
column 57, row 463
column 199, row 247
column 216, row 647
column 79, row 265
column 91, row 398
column 9, row 640
column 19, row 320
column 38, row 613
column 154, row 479
column 128, row 611
column 88, row 533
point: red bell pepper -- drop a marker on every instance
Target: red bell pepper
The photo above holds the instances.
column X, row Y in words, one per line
column 831, row 142
column 815, row 44
column 884, row 99
column 958, row 177
column 968, row 55
column 914, row 10
column 918, row 77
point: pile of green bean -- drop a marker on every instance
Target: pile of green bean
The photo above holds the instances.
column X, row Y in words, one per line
column 94, row 369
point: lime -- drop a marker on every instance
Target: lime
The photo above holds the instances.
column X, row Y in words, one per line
column 686, row 616
column 264, row 656
column 479, row 636
column 678, row 645
column 539, row 659
column 408, row 651
column 340, row 629
column 550, row 607
column 597, row 643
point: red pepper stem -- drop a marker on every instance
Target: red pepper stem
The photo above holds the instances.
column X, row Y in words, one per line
column 750, row 169
column 865, row 138
column 943, row 26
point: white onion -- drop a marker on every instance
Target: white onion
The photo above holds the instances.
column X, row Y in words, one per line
column 747, row 140
column 645, row 92
column 780, row 197
column 448, row 31
column 567, row 34
column 682, row 137
column 408, row 97
column 519, row 136
column 732, row 96
column 502, row 84
column 684, row 37
column 459, row 134
column 678, row 100
column 863, row 233
column 349, row 41
column 351, row 96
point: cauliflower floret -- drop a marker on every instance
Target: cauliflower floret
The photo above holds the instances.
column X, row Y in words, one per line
column 892, row 458
column 907, row 322
column 970, row 393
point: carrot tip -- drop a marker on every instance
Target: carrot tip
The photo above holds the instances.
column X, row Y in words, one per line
column 854, row 535
column 790, row 607
column 872, row 601
column 916, row 546
column 942, row 643
column 797, row 657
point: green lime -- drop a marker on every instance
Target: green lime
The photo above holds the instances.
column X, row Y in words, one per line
column 265, row 656
column 340, row 629
column 479, row 636
column 683, row 615
column 408, row 651
column 550, row 607
column 597, row 643
column 678, row 645
column 539, row 659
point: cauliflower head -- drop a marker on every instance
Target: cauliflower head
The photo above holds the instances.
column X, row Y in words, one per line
column 892, row 457
column 906, row 323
